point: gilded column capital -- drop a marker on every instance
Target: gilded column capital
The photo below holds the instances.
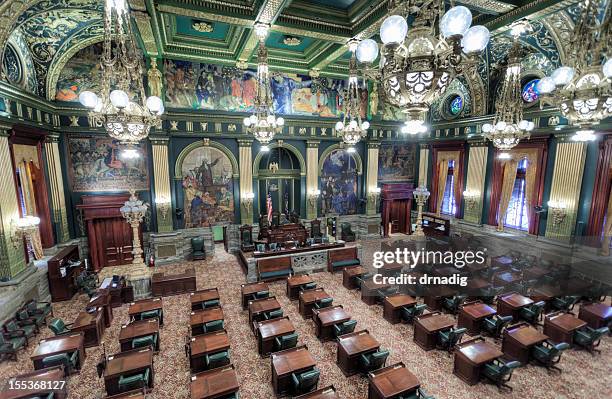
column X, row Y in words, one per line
column 565, row 136
column 374, row 144
column 312, row 143
column 245, row 142
column 478, row 143
column 52, row 137
column 424, row 146
column 156, row 140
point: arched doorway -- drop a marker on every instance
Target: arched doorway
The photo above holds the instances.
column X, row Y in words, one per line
column 278, row 175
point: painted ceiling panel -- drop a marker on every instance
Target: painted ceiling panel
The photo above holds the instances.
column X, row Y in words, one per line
column 189, row 26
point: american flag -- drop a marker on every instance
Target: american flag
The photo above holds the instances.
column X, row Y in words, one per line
column 269, row 207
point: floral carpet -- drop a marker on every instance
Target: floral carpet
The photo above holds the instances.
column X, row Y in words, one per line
column 583, row 376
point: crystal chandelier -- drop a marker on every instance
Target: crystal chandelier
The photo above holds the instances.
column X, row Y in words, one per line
column 582, row 88
column 263, row 124
column 351, row 127
column 509, row 127
column 417, row 66
column 126, row 117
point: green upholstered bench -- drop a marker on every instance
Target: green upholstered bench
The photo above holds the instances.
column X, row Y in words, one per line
column 338, row 259
column 274, row 269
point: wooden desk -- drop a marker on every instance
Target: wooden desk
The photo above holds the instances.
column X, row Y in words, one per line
column 215, row 383
column 426, row 328
column 204, row 344
column 351, row 346
column 518, row 341
column 60, row 344
column 50, row 374
column 325, row 319
column 502, row 261
column 92, row 325
column 392, row 381
column 596, row 315
column 259, row 306
column 137, row 329
column 471, row 356
column 535, row 273
column 134, row 394
column 308, row 299
column 392, row 306
column 294, row 360
column 435, row 294
column 472, row 315
column 369, row 291
column 506, row 279
column 349, row 276
column 295, row 282
column 560, row 327
column 545, row 293
column 198, row 318
column 329, row 392
column 146, row 305
column 267, row 330
column 102, row 298
column 511, row 305
column 250, row 289
column 391, row 269
column 173, row 284
column 200, row 296
column 131, row 362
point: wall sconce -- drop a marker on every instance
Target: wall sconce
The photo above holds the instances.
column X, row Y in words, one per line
column 470, row 198
column 247, row 202
column 23, row 228
column 558, row 211
column 313, row 196
column 163, row 205
column 373, row 195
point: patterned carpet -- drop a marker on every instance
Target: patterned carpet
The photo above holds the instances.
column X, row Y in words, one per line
column 584, row 375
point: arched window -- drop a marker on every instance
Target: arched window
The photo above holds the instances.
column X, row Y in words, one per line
column 449, row 206
column 516, row 216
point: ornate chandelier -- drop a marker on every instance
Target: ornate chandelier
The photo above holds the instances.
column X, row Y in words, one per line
column 263, row 124
column 581, row 89
column 509, row 127
column 417, row 66
column 126, row 117
column 351, row 127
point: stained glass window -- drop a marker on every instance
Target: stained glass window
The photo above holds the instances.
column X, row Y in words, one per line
column 456, row 105
column 530, row 92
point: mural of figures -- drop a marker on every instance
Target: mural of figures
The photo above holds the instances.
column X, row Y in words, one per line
column 396, row 162
column 339, row 183
column 81, row 73
column 95, row 166
column 208, row 187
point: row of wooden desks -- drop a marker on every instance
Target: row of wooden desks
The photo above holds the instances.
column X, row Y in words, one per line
column 138, row 329
column 295, row 284
column 147, row 305
column 326, row 318
column 258, row 307
column 198, row 297
column 205, row 344
column 198, row 318
column 267, row 330
column 308, row 298
column 247, row 290
column 127, row 363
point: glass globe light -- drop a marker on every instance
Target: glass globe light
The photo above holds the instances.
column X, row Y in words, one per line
column 546, row 85
column 339, row 125
column 280, row 121
column 264, row 148
column 119, row 99
column 456, row 21
column 393, row 29
column 530, row 126
column 562, row 75
column 253, row 118
column 487, row 128
column 501, row 125
column 475, row 39
column 271, row 119
column 247, row 121
column 607, row 69
column 154, row 104
column 88, row 99
column 367, row 51
column 161, row 109
column 523, row 124
column 365, row 125
column 353, row 124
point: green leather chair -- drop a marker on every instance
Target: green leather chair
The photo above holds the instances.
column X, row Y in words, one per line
column 381, row 294
column 495, row 324
column 285, row 342
column 418, row 394
column 308, row 286
column 362, row 278
column 346, row 233
column 533, row 313
column 43, row 308
column 549, row 354
column 449, row 338
column 589, row 338
column 373, row 360
column 13, row 328
column 134, row 381
column 143, row 342
column 488, row 294
column 261, row 247
column 24, row 317
column 273, row 314
column 210, row 304
column 564, row 303
column 452, row 303
column 215, row 360
column 258, row 295
column 323, row 303
column 68, row 360
column 197, row 247
column 10, row 345
column 215, row 325
column 408, row 313
column 500, row 373
column 344, row 328
column 306, row 381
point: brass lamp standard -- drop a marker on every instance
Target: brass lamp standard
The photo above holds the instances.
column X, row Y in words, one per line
column 134, row 211
column 421, row 195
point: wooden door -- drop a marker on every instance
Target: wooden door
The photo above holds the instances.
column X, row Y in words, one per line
column 116, row 240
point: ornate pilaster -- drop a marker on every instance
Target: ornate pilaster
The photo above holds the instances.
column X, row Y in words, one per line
column 245, row 162
column 565, row 189
column 56, row 186
column 312, row 176
column 474, row 187
column 12, row 257
column 372, row 178
column 161, row 173
column 423, row 164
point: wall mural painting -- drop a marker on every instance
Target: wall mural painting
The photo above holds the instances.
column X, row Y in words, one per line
column 208, row 187
column 396, row 162
column 81, row 73
column 95, row 166
column 213, row 87
column 339, row 183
